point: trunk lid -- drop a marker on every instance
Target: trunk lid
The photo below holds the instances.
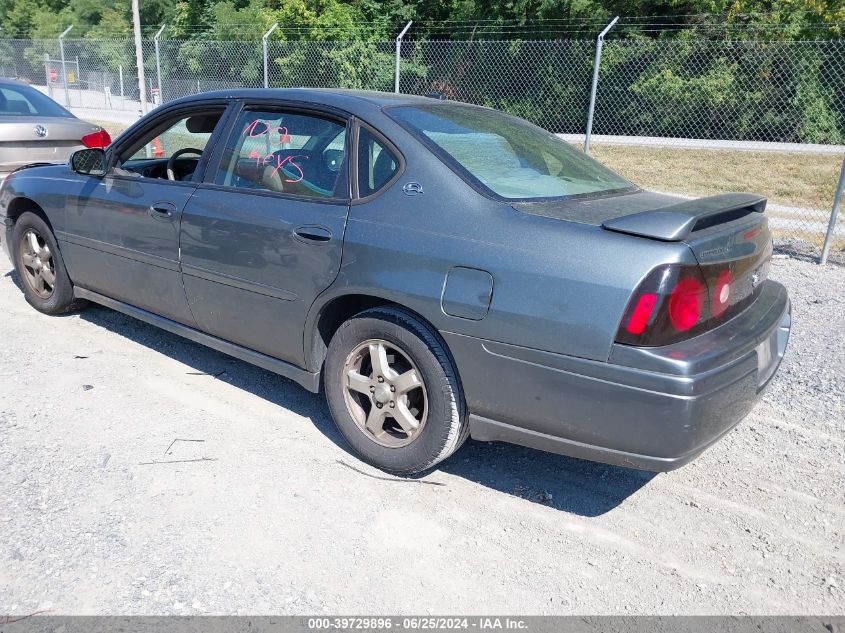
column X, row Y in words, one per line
column 728, row 234
column 21, row 144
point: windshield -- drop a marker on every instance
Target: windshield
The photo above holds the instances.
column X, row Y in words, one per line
column 510, row 157
column 26, row 101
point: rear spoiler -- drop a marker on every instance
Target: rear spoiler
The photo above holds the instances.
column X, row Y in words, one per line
column 675, row 223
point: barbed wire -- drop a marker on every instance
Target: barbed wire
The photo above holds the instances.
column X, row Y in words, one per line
column 575, row 28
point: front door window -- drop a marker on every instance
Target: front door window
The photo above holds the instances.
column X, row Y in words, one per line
column 297, row 154
column 173, row 149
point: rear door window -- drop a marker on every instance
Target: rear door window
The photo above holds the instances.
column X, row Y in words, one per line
column 285, row 152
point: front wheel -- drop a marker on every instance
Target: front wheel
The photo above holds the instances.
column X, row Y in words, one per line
column 393, row 392
column 39, row 264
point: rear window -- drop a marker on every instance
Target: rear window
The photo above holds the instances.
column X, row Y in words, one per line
column 26, row 101
column 506, row 155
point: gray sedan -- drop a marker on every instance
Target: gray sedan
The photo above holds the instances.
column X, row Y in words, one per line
column 440, row 270
column 36, row 129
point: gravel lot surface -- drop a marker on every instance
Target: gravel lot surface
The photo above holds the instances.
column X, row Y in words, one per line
column 274, row 516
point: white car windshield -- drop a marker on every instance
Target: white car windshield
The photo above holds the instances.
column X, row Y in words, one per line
column 508, row 156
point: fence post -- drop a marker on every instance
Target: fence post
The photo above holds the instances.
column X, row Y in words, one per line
column 47, row 75
column 595, row 85
column 122, row 104
column 64, row 70
column 139, row 55
column 264, row 47
column 837, row 201
column 156, row 39
column 399, row 53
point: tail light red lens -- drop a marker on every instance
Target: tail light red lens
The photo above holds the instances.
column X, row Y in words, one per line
column 676, row 302
column 100, row 139
column 641, row 314
column 665, row 306
column 686, row 303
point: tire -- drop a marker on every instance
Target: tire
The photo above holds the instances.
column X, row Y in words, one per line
column 42, row 260
column 438, row 404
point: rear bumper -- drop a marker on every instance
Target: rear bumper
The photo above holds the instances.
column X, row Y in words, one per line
column 649, row 408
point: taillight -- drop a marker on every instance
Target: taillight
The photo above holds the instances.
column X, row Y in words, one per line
column 100, row 139
column 721, row 294
column 641, row 314
column 686, row 303
column 667, row 306
column 676, row 302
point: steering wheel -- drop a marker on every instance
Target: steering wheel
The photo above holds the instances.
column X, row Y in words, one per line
column 172, row 160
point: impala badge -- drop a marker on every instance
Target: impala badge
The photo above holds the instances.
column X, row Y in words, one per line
column 412, row 188
column 40, row 131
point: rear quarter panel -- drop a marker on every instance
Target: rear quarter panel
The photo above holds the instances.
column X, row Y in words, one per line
column 557, row 286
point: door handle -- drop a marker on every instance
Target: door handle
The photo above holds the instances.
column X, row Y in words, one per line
column 162, row 210
column 313, row 234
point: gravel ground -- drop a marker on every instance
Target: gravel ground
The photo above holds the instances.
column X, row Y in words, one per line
column 277, row 517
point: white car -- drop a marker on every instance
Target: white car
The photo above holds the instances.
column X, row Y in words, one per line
column 36, row 129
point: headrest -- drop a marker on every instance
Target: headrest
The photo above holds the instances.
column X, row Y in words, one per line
column 202, row 123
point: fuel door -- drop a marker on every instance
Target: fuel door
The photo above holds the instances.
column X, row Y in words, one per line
column 467, row 293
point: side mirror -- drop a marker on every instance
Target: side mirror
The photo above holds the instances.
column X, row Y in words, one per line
column 88, row 162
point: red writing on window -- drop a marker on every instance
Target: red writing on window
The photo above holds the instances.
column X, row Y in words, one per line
column 278, row 161
column 260, row 127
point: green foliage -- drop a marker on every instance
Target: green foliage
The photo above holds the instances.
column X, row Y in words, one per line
column 727, row 71
column 227, row 20
column 692, row 89
column 353, row 19
column 818, row 120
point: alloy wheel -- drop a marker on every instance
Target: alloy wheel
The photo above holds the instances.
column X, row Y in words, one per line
column 38, row 265
column 385, row 393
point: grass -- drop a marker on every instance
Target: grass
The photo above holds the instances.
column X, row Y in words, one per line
column 798, row 180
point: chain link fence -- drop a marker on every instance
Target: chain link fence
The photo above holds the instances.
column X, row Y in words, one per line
column 782, row 92
column 358, row 65
column 546, row 82
column 192, row 66
column 96, row 74
column 666, row 112
column 764, row 92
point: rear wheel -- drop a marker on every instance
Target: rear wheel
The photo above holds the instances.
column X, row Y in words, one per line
column 393, row 391
column 40, row 266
